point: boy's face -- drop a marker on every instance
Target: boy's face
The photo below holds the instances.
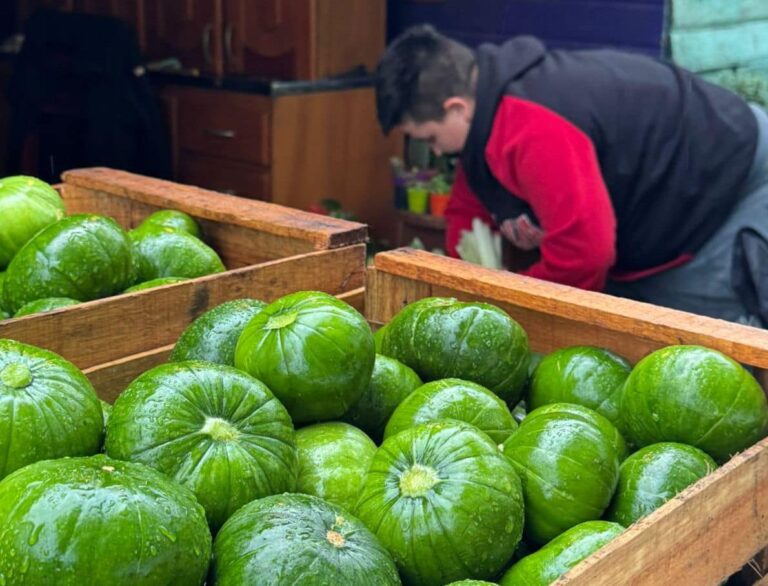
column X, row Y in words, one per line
column 446, row 136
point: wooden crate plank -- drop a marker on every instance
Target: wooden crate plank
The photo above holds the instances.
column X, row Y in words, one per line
column 140, row 321
column 719, row 48
column 111, row 378
column 707, row 13
column 702, row 536
column 319, row 231
column 556, row 312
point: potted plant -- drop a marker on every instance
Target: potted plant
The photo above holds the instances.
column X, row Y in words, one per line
column 439, row 194
column 418, row 197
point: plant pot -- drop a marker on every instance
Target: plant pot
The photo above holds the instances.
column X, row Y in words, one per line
column 438, row 202
column 418, row 198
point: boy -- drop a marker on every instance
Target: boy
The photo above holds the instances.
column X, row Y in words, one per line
column 630, row 175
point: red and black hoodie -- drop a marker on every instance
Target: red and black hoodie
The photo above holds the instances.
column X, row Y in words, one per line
column 626, row 164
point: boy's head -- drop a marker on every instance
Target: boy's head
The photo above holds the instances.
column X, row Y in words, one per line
column 425, row 84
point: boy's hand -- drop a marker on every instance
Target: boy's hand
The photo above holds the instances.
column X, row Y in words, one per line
column 521, row 232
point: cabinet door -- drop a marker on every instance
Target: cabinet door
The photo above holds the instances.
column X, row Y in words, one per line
column 268, row 38
column 189, row 30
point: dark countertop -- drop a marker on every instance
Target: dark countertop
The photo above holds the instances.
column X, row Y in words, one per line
column 266, row 87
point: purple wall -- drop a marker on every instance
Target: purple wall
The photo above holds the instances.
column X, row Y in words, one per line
column 635, row 25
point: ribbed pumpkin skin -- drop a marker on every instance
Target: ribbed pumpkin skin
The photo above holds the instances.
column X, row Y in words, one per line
column 444, row 502
column 584, row 375
column 152, row 283
column 44, row 305
column 391, row 382
column 27, row 205
column 175, row 219
column 212, row 428
column 48, row 408
column 568, row 457
column 298, row 540
column 561, row 554
column 652, row 476
column 315, row 352
column 166, row 252
column 696, row 396
column 333, row 461
column 82, row 257
column 444, row 338
column 213, row 336
column 453, row 398
column 94, row 520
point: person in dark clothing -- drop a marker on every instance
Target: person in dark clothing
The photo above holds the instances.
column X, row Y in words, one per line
column 630, row 175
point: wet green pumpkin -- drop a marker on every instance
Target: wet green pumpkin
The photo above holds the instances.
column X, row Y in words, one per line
column 94, row 520
column 299, row 540
column 152, row 283
column 391, row 382
column 45, row 305
column 444, row 502
column 82, row 257
column 696, row 396
column 315, row 352
column 584, row 375
column 445, row 338
column 48, row 408
column 333, row 461
column 568, row 457
column 653, row 475
column 174, row 219
column 453, row 398
column 212, row 428
column 213, row 336
column 166, row 252
column 561, row 554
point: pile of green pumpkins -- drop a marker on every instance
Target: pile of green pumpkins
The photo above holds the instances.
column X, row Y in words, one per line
column 286, row 444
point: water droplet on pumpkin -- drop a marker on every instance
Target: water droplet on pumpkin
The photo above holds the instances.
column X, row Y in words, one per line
column 168, row 534
column 33, row 537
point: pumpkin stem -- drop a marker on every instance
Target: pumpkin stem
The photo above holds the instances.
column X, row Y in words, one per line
column 418, row 480
column 220, row 430
column 281, row 320
column 335, row 538
column 16, row 376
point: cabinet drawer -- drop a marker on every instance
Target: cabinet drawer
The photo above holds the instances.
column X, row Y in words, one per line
column 223, row 175
column 224, row 124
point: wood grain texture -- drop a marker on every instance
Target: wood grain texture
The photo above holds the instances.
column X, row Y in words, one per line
column 102, row 186
column 109, row 329
column 342, row 152
column 557, row 315
column 703, row 535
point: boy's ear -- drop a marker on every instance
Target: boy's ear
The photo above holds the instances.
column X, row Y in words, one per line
column 460, row 105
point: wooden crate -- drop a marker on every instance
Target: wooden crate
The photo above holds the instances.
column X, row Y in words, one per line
column 269, row 251
column 704, row 534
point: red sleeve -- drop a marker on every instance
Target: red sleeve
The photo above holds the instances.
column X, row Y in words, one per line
column 462, row 207
column 552, row 165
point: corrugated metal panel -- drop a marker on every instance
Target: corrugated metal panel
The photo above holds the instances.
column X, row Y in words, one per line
column 700, row 13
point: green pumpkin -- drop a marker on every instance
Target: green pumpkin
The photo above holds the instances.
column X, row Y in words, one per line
column 445, row 338
column 27, row 205
column 174, row 219
column 45, row 305
column 453, row 398
column 315, row 352
column 2, row 297
column 152, row 283
column 568, row 457
column 296, row 539
column 378, row 337
column 213, row 336
column 584, row 375
column 391, row 382
column 652, row 476
column 561, row 554
column 48, row 408
column 472, row 583
column 211, row 428
column 82, row 257
column 333, row 461
column 695, row 396
column 95, row 520
column 444, row 502
column 166, row 252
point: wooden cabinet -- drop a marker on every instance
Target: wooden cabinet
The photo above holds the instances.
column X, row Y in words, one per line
column 294, row 150
column 189, row 30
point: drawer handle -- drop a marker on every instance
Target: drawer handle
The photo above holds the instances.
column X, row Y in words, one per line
column 220, row 133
